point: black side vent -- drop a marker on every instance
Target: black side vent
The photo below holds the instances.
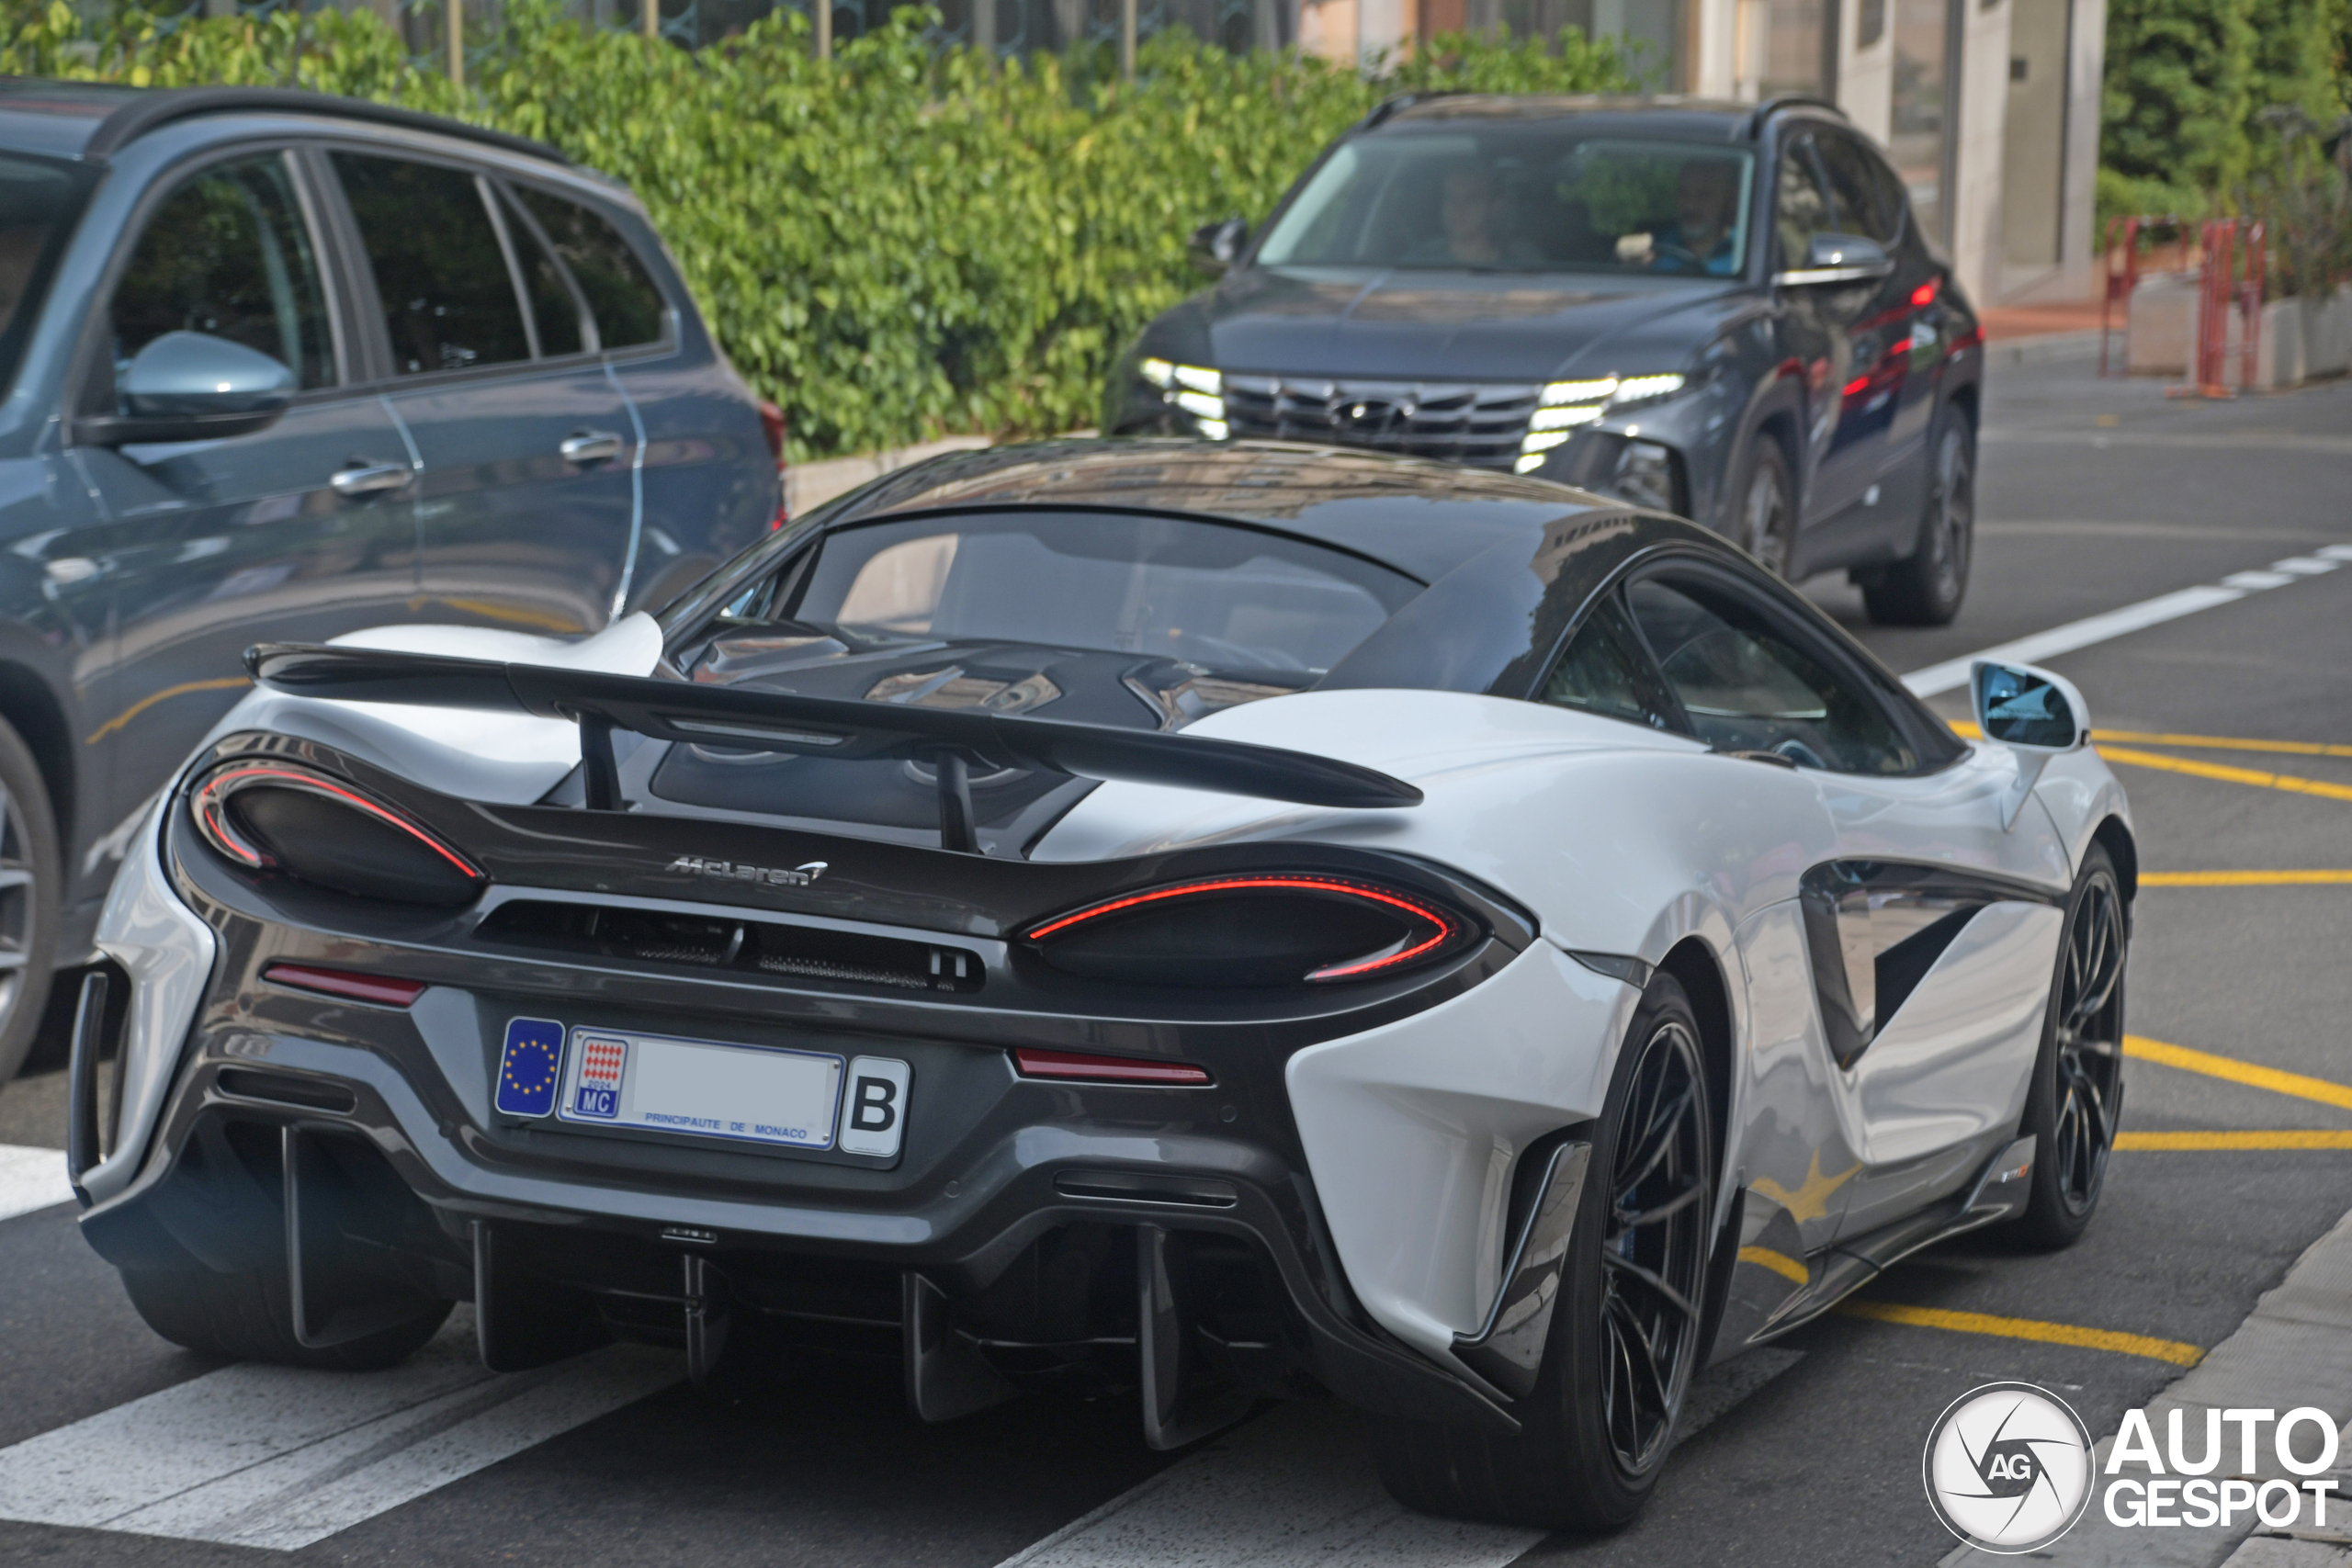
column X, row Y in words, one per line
column 762, row 947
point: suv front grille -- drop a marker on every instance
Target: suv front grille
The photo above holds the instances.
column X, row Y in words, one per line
column 1476, row 423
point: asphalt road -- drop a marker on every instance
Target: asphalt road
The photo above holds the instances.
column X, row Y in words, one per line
column 2094, row 495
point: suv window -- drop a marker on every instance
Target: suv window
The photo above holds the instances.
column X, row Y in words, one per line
column 1802, row 210
column 556, row 311
column 628, row 305
column 441, row 273
column 1863, row 201
column 1749, row 686
column 227, row 255
column 1606, row 671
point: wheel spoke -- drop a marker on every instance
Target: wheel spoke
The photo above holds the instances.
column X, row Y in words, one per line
column 1651, row 1277
column 1659, row 1139
column 1648, row 1362
column 1693, row 1191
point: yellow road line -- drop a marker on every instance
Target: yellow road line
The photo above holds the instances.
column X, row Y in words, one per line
column 2147, row 1050
column 143, row 703
column 2224, row 743
column 1779, row 1263
column 2171, row 1350
column 2206, row 1142
column 2203, row 742
column 2286, row 782
column 545, row 620
column 2244, row 878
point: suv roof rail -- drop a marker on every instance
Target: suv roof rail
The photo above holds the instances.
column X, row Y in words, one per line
column 1775, row 104
column 149, row 110
column 1399, row 102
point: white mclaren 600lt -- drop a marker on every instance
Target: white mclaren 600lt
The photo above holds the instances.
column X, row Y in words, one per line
column 1185, row 923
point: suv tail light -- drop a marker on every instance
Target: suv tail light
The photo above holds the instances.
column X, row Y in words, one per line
column 278, row 817
column 1270, row 929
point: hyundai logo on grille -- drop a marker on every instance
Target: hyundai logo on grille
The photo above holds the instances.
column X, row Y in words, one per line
column 1372, row 418
column 732, row 871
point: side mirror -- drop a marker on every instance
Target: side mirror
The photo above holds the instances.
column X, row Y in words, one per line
column 1839, row 258
column 2036, row 714
column 1216, row 246
column 193, row 387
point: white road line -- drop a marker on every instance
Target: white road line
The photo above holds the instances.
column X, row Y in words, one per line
column 273, row 1457
column 1297, row 1488
column 1952, row 673
column 31, row 1178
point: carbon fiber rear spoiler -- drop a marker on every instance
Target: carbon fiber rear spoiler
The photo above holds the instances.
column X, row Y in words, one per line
column 954, row 739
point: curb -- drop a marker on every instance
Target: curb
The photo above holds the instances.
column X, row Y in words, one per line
column 2040, row 347
column 2294, row 1348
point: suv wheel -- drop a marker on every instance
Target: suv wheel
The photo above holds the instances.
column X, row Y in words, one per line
column 30, row 872
column 1767, row 517
column 1926, row 587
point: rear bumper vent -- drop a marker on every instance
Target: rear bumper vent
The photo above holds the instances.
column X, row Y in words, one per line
column 284, row 1088
column 758, row 947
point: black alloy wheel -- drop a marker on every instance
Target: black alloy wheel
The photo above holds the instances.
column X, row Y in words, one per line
column 1654, row 1257
column 1625, row 1336
column 2076, row 1099
column 1926, row 588
column 29, row 877
column 1767, row 514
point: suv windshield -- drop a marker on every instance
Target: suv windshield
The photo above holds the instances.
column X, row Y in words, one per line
column 1519, row 198
column 1215, row 595
column 38, row 202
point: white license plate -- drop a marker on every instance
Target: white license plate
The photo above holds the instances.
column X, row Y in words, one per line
column 757, row 1094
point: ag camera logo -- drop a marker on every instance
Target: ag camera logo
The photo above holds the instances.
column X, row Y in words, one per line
column 2009, row 1467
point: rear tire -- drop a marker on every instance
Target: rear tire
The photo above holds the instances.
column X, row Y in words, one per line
column 2077, row 1098
column 1620, row 1352
column 249, row 1317
column 1927, row 587
column 31, row 871
column 1767, row 519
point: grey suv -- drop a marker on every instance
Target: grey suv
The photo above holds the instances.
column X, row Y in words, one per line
column 280, row 366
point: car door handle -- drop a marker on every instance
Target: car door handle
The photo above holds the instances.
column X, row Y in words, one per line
column 369, row 479
column 590, row 446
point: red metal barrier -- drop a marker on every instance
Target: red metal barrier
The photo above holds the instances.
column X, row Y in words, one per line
column 2231, row 276
column 2121, row 283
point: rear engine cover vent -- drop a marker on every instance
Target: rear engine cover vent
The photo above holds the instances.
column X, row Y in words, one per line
column 763, row 947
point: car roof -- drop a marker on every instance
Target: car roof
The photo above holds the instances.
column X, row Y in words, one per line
column 1670, row 116
column 93, row 120
column 1421, row 518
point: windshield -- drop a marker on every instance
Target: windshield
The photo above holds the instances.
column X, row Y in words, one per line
column 1224, row 597
column 37, row 204
column 1520, row 198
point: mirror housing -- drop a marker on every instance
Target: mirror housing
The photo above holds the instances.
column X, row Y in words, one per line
column 2037, row 714
column 192, row 387
column 1839, row 258
column 1216, row 246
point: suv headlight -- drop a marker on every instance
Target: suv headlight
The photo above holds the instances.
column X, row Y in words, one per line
column 1196, row 389
column 1565, row 405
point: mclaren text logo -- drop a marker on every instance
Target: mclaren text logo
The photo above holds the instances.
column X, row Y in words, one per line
column 735, row 871
column 2009, row 1467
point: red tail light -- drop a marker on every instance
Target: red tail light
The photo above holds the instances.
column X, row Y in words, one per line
column 380, row 989
column 1271, row 929
column 1105, row 1069
column 278, row 816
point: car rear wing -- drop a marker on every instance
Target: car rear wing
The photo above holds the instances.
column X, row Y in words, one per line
column 954, row 740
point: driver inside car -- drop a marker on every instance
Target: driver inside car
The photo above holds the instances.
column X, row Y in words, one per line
column 1706, row 215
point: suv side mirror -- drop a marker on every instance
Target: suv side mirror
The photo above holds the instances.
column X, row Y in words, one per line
column 193, row 387
column 1216, row 246
column 1839, row 258
column 2035, row 713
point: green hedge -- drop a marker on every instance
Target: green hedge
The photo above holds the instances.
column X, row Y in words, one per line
column 900, row 243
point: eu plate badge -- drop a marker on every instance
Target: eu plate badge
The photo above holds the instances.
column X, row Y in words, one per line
column 530, row 1068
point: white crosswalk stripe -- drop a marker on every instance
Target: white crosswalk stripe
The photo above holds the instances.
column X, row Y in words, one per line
column 1297, row 1488
column 273, row 1457
column 31, row 1180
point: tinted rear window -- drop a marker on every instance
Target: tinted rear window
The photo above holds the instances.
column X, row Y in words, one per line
column 621, row 293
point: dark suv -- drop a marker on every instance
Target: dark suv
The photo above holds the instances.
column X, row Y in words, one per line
column 1720, row 310
column 279, row 365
